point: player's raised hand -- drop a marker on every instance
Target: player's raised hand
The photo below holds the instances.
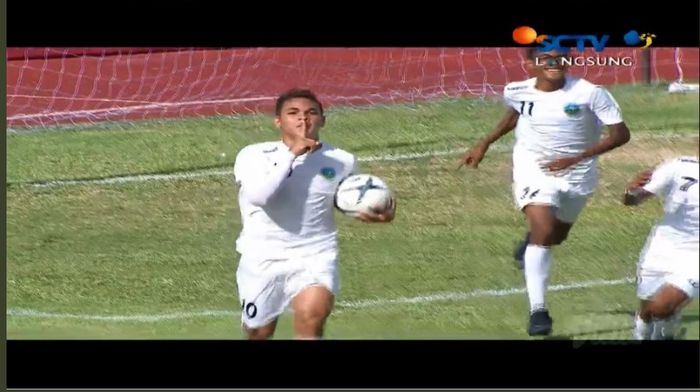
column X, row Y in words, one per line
column 473, row 156
column 303, row 144
column 379, row 216
column 640, row 180
column 635, row 193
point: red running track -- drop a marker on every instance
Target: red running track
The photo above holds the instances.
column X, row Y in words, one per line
column 62, row 86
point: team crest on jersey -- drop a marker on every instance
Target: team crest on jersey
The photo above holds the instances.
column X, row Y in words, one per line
column 328, row 173
column 571, row 109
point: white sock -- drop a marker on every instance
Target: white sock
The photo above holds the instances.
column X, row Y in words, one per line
column 537, row 261
column 665, row 329
column 642, row 329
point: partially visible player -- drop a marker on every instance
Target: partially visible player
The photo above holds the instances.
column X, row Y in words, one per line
column 288, row 244
column 558, row 127
column 668, row 270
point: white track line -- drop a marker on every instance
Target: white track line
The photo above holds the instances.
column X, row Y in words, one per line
column 137, row 178
column 342, row 305
column 17, row 312
column 229, row 172
column 462, row 296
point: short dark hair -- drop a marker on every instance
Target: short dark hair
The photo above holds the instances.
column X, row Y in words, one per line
column 532, row 52
column 296, row 93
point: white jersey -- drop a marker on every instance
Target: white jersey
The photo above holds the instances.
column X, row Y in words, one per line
column 560, row 123
column 677, row 233
column 287, row 203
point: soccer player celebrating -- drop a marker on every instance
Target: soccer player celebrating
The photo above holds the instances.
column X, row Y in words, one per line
column 557, row 120
column 288, row 243
column 668, row 271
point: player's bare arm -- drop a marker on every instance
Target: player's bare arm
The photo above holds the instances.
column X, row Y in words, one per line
column 634, row 193
column 473, row 156
column 618, row 136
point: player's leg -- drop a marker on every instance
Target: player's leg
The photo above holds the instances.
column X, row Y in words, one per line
column 519, row 252
column 667, row 301
column 259, row 315
column 538, row 199
column 567, row 212
column 262, row 299
column 662, row 297
column 667, row 304
column 537, row 262
column 561, row 233
column 526, row 192
column 570, row 208
column 643, row 323
column 261, row 333
column 663, row 311
column 648, row 283
column 667, row 278
column 311, row 306
column 312, row 290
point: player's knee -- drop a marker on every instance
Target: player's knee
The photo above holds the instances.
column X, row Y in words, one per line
column 259, row 333
column 543, row 237
column 311, row 317
column 661, row 309
column 560, row 238
column 645, row 311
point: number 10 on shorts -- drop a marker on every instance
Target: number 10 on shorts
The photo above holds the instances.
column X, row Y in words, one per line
column 249, row 309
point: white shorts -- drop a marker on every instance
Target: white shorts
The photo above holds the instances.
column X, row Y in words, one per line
column 661, row 263
column 566, row 199
column 267, row 286
column 649, row 282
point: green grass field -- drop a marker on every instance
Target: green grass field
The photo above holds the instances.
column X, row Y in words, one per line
column 156, row 260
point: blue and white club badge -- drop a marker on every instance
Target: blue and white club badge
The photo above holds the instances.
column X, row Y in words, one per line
column 328, row 173
column 571, row 109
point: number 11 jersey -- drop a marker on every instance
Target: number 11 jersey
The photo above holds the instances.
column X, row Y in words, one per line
column 560, row 123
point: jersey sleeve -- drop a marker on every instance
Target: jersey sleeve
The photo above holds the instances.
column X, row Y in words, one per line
column 354, row 166
column 605, row 107
column 661, row 180
column 509, row 99
column 243, row 161
column 260, row 178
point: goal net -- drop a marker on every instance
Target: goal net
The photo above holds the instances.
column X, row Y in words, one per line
column 68, row 86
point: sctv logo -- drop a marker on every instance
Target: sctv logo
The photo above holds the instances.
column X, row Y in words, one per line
column 562, row 43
